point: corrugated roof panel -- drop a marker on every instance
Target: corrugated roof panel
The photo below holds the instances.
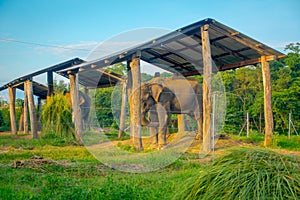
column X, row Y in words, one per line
column 226, row 46
column 174, row 45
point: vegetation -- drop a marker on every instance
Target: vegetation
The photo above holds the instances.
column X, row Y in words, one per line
column 245, row 94
column 69, row 171
column 247, row 174
column 57, row 117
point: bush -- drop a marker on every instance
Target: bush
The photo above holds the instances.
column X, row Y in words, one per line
column 283, row 142
column 4, row 120
column 57, row 117
column 247, row 174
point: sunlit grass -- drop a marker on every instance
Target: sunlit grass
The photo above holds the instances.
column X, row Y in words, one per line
column 247, row 174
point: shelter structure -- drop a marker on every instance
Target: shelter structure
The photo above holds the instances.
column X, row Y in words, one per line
column 32, row 88
column 200, row 48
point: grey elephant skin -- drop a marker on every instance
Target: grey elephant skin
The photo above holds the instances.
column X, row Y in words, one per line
column 162, row 97
column 85, row 104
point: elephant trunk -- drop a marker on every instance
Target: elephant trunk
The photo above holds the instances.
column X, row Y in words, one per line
column 144, row 121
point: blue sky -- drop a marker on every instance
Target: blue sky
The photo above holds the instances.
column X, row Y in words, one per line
column 81, row 24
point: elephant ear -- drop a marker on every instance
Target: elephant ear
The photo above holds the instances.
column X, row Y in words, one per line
column 156, row 91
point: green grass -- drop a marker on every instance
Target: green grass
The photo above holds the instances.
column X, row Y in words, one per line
column 246, row 174
column 283, row 142
column 278, row 141
column 254, row 138
column 75, row 174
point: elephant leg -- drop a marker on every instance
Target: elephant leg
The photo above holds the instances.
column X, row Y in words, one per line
column 199, row 120
column 153, row 135
column 164, row 119
column 199, row 135
column 153, row 129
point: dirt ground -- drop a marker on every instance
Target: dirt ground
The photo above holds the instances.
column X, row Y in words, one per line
column 222, row 144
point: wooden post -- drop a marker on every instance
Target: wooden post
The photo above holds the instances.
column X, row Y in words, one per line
column 25, row 109
column 247, row 122
column 31, row 106
column 50, row 84
column 129, row 91
column 39, row 114
column 135, row 115
column 207, row 71
column 21, row 121
column 290, row 119
column 181, row 123
column 12, row 110
column 75, row 107
column 267, row 101
column 25, row 118
column 123, row 110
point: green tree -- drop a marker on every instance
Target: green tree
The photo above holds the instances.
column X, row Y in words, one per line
column 61, row 86
column 119, row 68
column 146, row 77
column 2, row 122
column 286, row 89
column 102, row 102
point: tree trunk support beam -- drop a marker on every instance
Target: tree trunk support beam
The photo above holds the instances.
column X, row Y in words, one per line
column 267, row 101
column 12, row 110
column 75, row 107
column 123, row 110
column 33, row 124
column 135, row 102
column 181, row 123
column 26, row 129
column 207, row 71
column 50, row 84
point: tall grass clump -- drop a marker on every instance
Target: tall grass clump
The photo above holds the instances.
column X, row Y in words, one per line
column 57, row 117
column 247, row 174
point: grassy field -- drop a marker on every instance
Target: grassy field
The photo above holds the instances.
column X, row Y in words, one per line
column 52, row 168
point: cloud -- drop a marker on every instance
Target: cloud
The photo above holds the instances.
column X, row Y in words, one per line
column 71, row 50
column 109, row 47
column 280, row 45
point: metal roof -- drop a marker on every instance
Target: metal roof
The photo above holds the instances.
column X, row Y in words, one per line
column 54, row 68
column 97, row 78
column 39, row 90
column 180, row 51
column 105, row 78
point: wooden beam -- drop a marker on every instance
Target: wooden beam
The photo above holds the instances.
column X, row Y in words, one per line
column 181, row 123
column 123, row 110
column 39, row 114
column 247, row 62
column 267, row 101
column 207, row 71
column 50, row 84
column 103, row 71
column 12, row 110
column 236, row 38
column 31, row 106
column 21, row 121
column 75, row 107
column 25, row 109
column 135, row 103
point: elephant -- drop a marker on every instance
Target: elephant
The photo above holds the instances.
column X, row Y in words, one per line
column 170, row 96
column 85, row 104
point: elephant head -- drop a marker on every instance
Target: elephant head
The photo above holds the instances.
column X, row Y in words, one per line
column 151, row 94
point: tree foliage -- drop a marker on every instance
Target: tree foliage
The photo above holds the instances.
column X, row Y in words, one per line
column 244, row 89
